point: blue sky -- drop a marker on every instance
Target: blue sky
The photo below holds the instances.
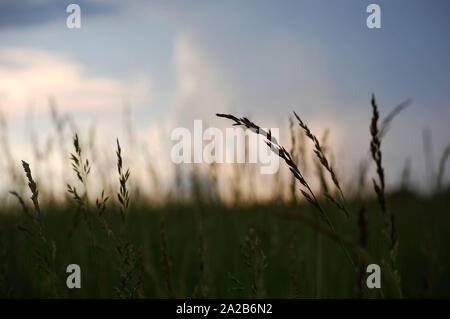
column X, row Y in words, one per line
column 175, row 61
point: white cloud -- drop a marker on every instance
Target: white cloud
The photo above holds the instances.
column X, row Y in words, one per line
column 201, row 89
column 30, row 76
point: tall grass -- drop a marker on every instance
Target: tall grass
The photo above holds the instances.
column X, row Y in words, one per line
column 279, row 150
column 195, row 246
column 318, row 150
column 389, row 230
column 44, row 247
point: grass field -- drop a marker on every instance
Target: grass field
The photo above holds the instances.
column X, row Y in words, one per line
column 205, row 248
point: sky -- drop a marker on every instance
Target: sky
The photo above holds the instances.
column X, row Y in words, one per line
column 175, row 61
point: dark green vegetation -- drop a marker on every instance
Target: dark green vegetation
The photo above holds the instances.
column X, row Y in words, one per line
column 318, row 247
column 203, row 261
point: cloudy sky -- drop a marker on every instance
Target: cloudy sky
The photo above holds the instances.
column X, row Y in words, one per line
column 176, row 61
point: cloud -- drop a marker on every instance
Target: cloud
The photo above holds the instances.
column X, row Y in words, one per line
column 201, row 89
column 30, row 76
column 204, row 88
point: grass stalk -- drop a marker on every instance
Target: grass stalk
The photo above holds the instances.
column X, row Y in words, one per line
column 279, row 150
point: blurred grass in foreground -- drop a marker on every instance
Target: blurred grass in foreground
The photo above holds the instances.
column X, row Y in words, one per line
column 288, row 244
